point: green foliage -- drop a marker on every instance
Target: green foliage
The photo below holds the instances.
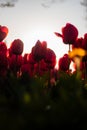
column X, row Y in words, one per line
column 27, row 102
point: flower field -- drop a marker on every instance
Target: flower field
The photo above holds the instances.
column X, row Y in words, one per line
column 36, row 95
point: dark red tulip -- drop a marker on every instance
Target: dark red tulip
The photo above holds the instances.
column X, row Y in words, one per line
column 40, row 67
column 16, row 47
column 3, row 47
column 69, row 34
column 15, row 62
column 43, row 66
column 50, row 58
column 38, row 51
column 25, row 58
column 3, row 61
column 64, row 63
column 31, row 59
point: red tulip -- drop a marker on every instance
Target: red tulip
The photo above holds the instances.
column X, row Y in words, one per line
column 16, row 47
column 64, row 63
column 38, row 51
column 69, row 34
column 25, row 58
column 31, row 59
column 3, row 47
column 43, row 66
column 15, row 62
column 40, row 67
column 50, row 58
column 3, row 32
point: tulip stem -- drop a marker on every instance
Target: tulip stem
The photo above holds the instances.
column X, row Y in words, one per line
column 69, row 47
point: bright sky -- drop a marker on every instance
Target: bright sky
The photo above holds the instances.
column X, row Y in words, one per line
column 31, row 20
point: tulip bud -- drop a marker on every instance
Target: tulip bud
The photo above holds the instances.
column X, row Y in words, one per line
column 17, row 47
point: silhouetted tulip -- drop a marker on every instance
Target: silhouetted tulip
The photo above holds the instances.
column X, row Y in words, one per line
column 50, row 58
column 15, row 63
column 25, row 58
column 16, row 47
column 3, row 47
column 64, row 63
column 41, row 66
column 69, row 34
column 3, row 32
column 38, row 51
column 31, row 59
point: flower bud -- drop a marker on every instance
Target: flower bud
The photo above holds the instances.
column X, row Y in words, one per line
column 17, row 47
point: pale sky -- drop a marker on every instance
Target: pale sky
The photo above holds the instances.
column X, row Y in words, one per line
column 32, row 20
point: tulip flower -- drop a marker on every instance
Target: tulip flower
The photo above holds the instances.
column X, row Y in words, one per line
column 3, row 32
column 16, row 47
column 64, row 63
column 3, row 47
column 50, row 58
column 15, row 63
column 38, row 51
column 69, row 34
